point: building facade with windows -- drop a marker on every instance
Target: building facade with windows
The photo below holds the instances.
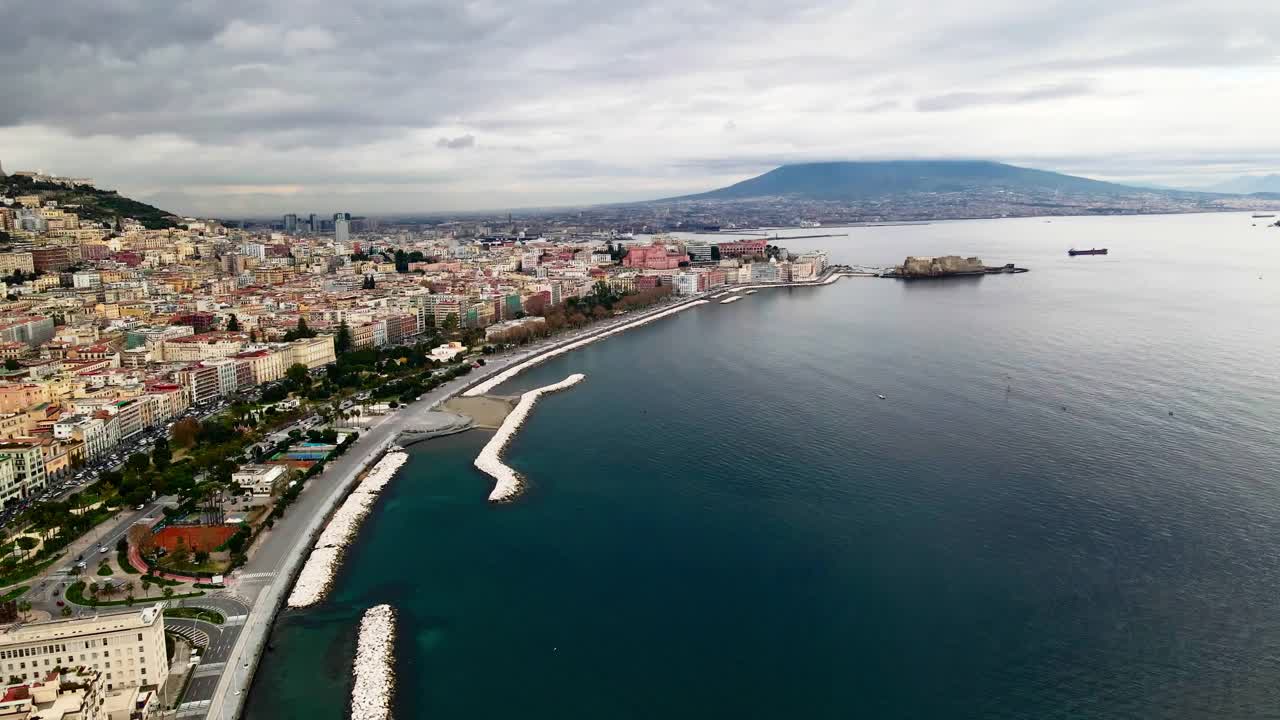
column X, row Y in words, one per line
column 126, row 647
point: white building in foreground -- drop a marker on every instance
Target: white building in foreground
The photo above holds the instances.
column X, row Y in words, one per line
column 126, row 647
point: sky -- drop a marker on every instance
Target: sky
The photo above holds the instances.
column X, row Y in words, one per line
column 260, row 107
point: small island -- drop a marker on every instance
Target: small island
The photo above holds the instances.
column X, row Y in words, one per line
column 921, row 267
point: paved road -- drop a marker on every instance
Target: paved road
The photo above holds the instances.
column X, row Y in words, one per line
column 47, row 587
column 263, row 581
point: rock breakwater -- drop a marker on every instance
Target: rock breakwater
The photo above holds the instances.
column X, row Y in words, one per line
column 489, row 460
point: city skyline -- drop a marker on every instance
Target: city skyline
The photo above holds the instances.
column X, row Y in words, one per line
column 248, row 110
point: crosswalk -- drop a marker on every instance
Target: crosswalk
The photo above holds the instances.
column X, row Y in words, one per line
column 235, row 620
column 207, row 669
column 195, row 636
column 256, row 575
column 195, row 708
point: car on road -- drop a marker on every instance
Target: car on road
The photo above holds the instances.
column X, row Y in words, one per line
column 141, row 507
column 103, row 549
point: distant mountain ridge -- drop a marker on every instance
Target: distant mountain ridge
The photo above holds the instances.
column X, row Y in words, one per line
column 1248, row 185
column 869, row 180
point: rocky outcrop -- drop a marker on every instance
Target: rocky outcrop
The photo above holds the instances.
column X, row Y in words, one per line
column 922, row 267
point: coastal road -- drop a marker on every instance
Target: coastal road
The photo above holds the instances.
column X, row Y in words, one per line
column 264, row 580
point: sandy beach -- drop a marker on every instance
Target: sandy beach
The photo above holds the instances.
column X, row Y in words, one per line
column 488, row 411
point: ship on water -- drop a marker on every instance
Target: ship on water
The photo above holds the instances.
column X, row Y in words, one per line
column 1091, row 251
column 1264, row 215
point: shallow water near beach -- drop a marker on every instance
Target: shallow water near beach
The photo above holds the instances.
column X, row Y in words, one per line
column 1068, row 504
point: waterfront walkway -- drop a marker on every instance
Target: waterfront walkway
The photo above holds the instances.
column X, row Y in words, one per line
column 266, row 579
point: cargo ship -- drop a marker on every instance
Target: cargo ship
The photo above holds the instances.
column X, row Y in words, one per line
column 1264, row 216
column 1092, row 251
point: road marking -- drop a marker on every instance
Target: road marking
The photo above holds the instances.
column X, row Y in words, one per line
column 251, row 576
column 236, row 620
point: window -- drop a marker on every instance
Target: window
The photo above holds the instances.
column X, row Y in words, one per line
column 139, row 637
column 106, row 653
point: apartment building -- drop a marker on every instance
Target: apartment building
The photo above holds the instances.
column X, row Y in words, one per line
column 313, row 352
column 28, row 476
column 126, row 647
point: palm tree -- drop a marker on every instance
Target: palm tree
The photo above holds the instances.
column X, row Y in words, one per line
column 168, row 593
column 146, row 586
column 24, row 607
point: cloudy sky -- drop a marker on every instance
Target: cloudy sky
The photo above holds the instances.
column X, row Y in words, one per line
column 261, row 107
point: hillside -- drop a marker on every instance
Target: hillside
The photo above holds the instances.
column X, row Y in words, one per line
column 868, row 180
column 90, row 203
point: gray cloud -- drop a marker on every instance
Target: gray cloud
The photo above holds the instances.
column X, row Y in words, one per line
column 961, row 100
column 267, row 103
column 457, row 143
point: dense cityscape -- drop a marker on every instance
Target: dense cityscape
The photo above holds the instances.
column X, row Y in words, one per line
column 170, row 386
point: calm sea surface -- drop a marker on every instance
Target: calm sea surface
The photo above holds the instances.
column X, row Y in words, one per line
column 1067, row 507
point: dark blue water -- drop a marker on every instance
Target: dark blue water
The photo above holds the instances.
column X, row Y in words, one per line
column 1066, row 507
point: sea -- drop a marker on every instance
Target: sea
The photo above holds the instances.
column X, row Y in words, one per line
column 1067, row 504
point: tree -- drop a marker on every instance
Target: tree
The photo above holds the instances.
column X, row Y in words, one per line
column 24, row 607
column 12, row 364
column 168, row 593
column 342, row 342
column 233, row 325
column 26, row 543
column 146, row 587
column 450, row 322
column 65, row 611
column 298, row 375
column 402, row 262
column 138, row 463
column 253, row 336
column 369, row 283
column 140, row 537
column 301, row 331
column 161, row 454
column 185, row 432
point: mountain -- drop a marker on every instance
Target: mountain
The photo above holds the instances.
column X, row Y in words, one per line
column 845, row 181
column 89, row 202
column 1248, row 185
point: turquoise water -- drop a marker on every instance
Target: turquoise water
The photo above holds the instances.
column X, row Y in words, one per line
column 1067, row 506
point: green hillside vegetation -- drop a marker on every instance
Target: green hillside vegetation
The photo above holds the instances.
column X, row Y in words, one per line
column 93, row 204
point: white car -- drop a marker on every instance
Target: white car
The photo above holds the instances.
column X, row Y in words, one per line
column 103, row 549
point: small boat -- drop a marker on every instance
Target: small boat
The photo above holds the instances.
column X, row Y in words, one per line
column 1092, row 251
column 881, row 397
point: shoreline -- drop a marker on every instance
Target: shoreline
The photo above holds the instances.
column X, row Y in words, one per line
column 485, row 386
column 227, row 701
column 316, row 576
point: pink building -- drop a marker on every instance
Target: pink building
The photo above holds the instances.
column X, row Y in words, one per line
column 654, row 257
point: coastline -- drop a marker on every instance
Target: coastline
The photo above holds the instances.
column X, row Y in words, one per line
column 230, row 696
